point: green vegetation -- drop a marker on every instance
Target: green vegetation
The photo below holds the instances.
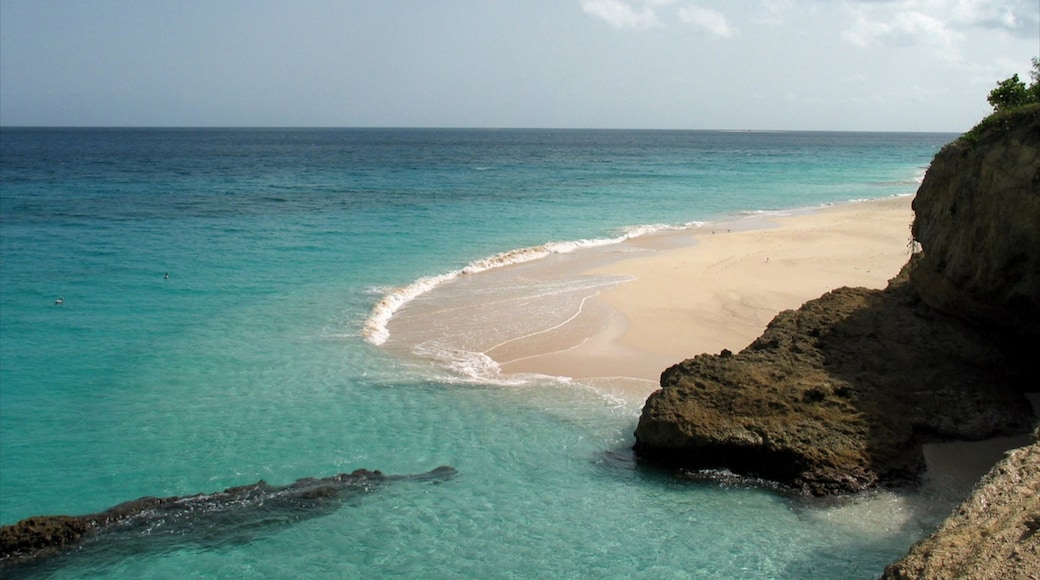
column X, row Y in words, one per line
column 1011, row 99
column 1012, row 93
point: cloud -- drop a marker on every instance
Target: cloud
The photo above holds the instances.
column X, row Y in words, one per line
column 619, row 14
column 643, row 14
column 906, row 28
column 1020, row 17
column 941, row 17
column 775, row 12
column 710, row 20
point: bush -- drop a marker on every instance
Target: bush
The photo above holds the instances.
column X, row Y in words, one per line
column 1010, row 98
column 1011, row 93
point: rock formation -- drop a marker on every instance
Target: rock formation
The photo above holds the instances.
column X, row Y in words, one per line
column 839, row 395
column 238, row 513
column 993, row 534
column 977, row 215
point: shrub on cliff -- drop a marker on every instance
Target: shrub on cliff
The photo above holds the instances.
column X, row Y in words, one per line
column 1010, row 100
column 1012, row 93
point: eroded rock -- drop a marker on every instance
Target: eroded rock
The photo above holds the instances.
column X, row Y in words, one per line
column 839, row 395
column 235, row 514
column 993, row 534
column 977, row 217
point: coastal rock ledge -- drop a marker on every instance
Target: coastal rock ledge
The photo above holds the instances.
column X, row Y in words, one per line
column 839, row 395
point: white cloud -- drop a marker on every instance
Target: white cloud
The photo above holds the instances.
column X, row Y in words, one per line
column 1019, row 17
column 906, row 28
column 619, row 14
column 643, row 14
column 775, row 12
column 712, row 21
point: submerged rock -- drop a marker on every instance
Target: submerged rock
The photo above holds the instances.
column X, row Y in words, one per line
column 40, row 536
column 235, row 514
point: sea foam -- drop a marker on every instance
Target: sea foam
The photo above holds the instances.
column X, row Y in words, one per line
column 375, row 327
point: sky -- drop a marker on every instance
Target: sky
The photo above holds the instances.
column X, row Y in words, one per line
column 859, row 65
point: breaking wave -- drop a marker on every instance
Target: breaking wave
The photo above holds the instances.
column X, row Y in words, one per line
column 375, row 327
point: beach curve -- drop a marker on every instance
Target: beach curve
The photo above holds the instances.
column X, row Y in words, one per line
column 644, row 301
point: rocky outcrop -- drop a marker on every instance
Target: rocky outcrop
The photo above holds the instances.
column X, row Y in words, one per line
column 203, row 518
column 993, row 534
column 977, row 216
column 839, row 395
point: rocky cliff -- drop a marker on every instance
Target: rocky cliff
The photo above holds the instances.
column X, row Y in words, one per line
column 839, row 395
column 977, row 215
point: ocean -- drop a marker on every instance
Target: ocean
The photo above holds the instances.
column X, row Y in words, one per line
column 227, row 302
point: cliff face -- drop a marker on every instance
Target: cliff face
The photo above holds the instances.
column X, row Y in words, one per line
column 977, row 216
column 839, row 395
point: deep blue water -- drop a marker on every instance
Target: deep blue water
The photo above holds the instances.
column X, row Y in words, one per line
column 251, row 361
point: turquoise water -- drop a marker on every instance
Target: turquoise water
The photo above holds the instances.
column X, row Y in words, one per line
column 256, row 358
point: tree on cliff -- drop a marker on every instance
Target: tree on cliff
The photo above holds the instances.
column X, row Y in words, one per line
column 1012, row 92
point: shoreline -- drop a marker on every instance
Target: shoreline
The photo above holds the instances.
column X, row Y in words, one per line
column 650, row 302
column 711, row 288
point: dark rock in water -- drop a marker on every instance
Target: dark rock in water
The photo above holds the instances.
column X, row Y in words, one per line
column 40, row 536
column 235, row 514
column 839, row 395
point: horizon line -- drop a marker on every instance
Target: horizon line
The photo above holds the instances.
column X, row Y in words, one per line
column 449, row 128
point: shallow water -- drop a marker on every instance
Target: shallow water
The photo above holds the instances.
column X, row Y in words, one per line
column 253, row 360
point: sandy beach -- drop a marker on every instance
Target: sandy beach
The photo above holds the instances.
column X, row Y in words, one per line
column 715, row 287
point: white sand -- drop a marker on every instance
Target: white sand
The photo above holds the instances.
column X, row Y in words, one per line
column 691, row 292
column 718, row 287
column 714, row 288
